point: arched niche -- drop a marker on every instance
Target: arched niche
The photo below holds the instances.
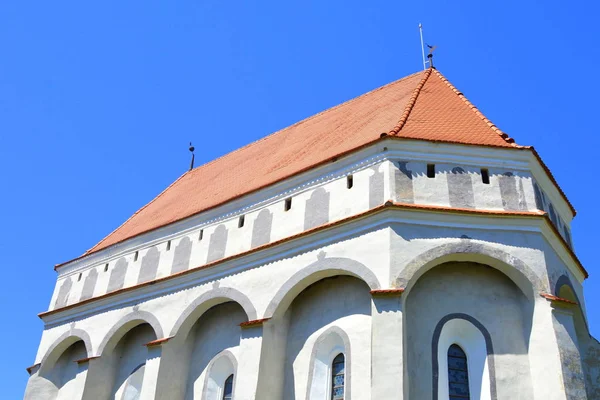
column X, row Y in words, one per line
column 221, row 367
column 470, row 251
column 204, row 302
column 207, row 354
column 124, row 325
column 475, row 341
column 323, row 268
column 58, row 377
column 493, row 303
column 320, row 323
column 331, row 342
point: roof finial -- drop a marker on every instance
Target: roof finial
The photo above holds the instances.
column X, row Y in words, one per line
column 431, row 49
column 193, row 156
column 430, row 55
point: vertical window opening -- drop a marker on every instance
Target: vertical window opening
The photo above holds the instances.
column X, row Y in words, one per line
column 168, row 245
column 288, row 204
column 79, row 277
column 338, row 377
column 431, row 170
column 241, row 221
column 201, row 234
column 105, row 267
column 228, row 388
column 485, row 176
column 136, row 255
column 458, row 374
column 349, row 181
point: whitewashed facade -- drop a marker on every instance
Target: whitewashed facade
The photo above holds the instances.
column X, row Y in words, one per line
column 372, row 259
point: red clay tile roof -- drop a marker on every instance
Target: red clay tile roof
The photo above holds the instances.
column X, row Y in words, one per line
column 423, row 105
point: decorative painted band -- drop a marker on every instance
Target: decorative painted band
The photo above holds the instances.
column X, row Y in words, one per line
column 158, row 342
column 386, row 292
column 253, row 323
column 386, row 206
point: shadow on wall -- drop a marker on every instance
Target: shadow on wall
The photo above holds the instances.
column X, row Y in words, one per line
column 57, row 379
column 326, row 302
column 484, row 294
column 215, row 331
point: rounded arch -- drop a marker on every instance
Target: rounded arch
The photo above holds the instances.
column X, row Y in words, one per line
column 61, row 344
column 206, row 301
column 320, row 353
column 127, row 323
column 323, row 268
column 564, row 280
column 218, row 369
column 469, row 251
column 488, row 344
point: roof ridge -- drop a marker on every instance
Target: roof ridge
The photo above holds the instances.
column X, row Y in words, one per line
column 91, row 249
column 310, row 118
column 411, row 103
column 485, row 119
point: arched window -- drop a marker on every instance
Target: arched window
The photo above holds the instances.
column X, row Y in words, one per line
column 228, row 388
column 337, row 377
column 458, row 374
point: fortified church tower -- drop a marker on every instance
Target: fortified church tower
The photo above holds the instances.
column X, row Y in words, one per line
column 397, row 246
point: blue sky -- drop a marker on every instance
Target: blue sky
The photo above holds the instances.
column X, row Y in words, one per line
column 98, row 101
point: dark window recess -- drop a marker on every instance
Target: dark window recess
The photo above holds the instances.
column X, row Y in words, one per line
column 228, row 388
column 201, row 234
column 136, row 255
column 105, row 267
column 241, row 221
column 288, row 204
column 349, row 181
column 431, row 170
column 79, row 277
column 458, row 374
column 168, row 245
column 485, row 176
column 338, row 377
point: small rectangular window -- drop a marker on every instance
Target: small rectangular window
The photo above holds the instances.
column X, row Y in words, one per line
column 79, row 277
column 168, row 245
column 105, row 267
column 201, row 234
column 288, row 204
column 349, row 181
column 485, row 176
column 241, row 221
column 136, row 255
column 431, row 170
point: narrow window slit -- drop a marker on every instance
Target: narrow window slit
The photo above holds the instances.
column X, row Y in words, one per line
column 168, row 245
column 349, row 181
column 241, row 221
column 105, row 267
column 201, row 234
column 288, row 204
column 485, row 176
column 431, row 170
column 136, row 255
column 79, row 277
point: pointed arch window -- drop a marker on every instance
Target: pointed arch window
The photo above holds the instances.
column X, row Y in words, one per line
column 458, row 374
column 228, row 388
column 338, row 371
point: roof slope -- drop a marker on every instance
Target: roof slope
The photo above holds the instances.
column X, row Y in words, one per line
column 423, row 105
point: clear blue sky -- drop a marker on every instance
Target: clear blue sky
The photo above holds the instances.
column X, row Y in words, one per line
column 98, row 102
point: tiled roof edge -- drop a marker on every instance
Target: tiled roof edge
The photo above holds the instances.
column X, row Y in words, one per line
column 411, row 103
column 99, row 244
column 489, row 123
